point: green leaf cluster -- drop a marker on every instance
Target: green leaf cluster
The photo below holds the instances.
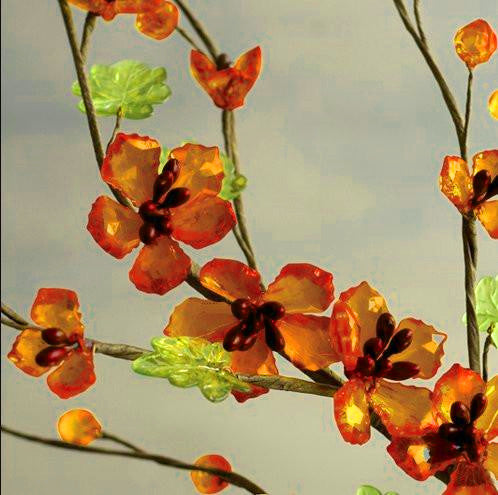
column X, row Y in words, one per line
column 233, row 183
column 190, row 362
column 371, row 490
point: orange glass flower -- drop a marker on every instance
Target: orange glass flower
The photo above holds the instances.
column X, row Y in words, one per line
column 493, row 104
column 253, row 322
column 464, row 423
column 79, row 427
column 471, row 194
column 475, row 43
column 59, row 345
column 179, row 203
column 375, row 352
column 210, row 483
column 155, row 18
column 227, row 86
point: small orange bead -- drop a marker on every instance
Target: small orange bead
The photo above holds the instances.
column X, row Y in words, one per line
column 210, row 483
column 493, row 104
column 475, row 43
column 79, row 426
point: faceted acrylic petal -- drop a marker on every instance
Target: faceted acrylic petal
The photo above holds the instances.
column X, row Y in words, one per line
column 470, row 479
column 455, row 182
column 486, row 160
column 131, row 166
column 26, row 346
column 101, row 7
column 209, row 483
column 475, row 42
column 158, row 23
column 351, row 412
column 493, row 104
column 488, row 216
column 404, row 410
column 196, row 317
column 58, row 308
column 231, row 279
column 491, row 462
column 488, row 422
column 307, row 341
column 426, row 349
column 114, row 226
column 160, row 267
column 457, row 384
column 203, row 220
column 79, row 427
column 74, row 375
column 302, row 288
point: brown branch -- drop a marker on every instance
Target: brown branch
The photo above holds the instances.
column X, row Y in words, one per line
column 117, row 125
column 418, row 20
column 88, row 27
column 10, row 313
column 105, row 435
column 188, row 38
column 231, row 477
column 487, row 345
column 12, row 324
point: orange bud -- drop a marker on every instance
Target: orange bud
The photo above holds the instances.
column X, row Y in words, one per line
column 79, row 426
column 493, row 104
column 475, row 43
column 210, row 483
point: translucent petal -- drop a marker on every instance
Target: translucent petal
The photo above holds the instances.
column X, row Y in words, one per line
column 455, row 182
column 486, row 160
column 491, row 462
column 493, row 104
column 158, row 23
column 470, row 479
column 26, row 346
column 209, row 483
column 488, row 216
column 475, row 42
column 101, row 7
column 488, row 422
column 79, row 427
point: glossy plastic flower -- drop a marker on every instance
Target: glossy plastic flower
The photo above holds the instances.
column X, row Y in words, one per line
column 210, row 483
column 59, row 345
column 226, row 85
column 464, row 423
column 471, row 194
column 155, row 18
column 375, row 352
column 255, row 322
column 180, row 203
column 79, row 427
column 475, row 43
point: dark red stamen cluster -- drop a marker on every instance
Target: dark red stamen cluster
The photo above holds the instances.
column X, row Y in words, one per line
column 156, row 212
column 253, row 319
column 484, row 188
column 375, row 361
column 60, row 345
column 461, row 432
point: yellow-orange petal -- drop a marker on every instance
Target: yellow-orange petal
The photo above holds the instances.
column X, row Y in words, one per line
column 307, row 341
column 426, row 349
column 203, row 220
column 101, row 7
column 210, row 483
column 131, row 166
column 367, row 304
column 457, row 384
column 302, row 288
column 114, row 227
column 488, row 216
column 79, row 427
column 404, row 410
column 493, row 104
column 58, row 308
column 470, row 479
column 488, row 422
column 486, row 160
column 24, row 350
column 160, row 267
column 455, row 182
column 200, row 168
column 74, row 375
column 231, row 279
column 196, row 317
column 475, row 42
column 158, row 23
column 491, row 462
column 351, row 412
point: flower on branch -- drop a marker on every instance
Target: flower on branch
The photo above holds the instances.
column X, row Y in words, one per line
column 155, row 18
column 179, row 203
column 462, row 423
column 475, row 43
column 59, row 345
column 210, row 483
column 257, row 322
column 227, row 85
column 471, row 193
column 375, row 352
column 79, row 427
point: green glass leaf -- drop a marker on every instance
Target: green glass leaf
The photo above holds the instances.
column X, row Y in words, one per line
column 233, row 183
column 128, row 85
column 368, row 490
column 188, row 362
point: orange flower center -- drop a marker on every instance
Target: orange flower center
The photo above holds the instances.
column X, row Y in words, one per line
column 483, row 187
column 254, row 318
column 60, row 346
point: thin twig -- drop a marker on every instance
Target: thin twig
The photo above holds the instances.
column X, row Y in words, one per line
column 88, row 28
column 10, row 313
column 487, row 345
column 468, row 104
column 418, row 20
column 12, row 324
column 117, row 125
column 105, row 435
column 231, row 477
column 188, row 38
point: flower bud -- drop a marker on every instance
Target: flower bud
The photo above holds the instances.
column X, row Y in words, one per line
column 233, row 339
column 385, row 326
column 365, row 365
column 273, row 336
column 480, row 184
column 460, row 414
column 475, row 43
column 400, row 341
column 176, row 197
column 273, row 310
column 148, row 210
column 50, row 356
column 172, row 166
column 54, row 336
column 402, row 370
column 373, row 347
column 162, row 185
column 241, row 308
column 383, row 366
column 450, row 432
column 148, row 233
column 248, row 341
column 478, row 406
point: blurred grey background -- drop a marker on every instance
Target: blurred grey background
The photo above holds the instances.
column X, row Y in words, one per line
column 342, row 140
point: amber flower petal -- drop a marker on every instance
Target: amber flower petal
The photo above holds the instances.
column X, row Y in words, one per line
column 160, row 267
column 131, row 166
column 351, row 412
column 302, row 288
column 196, row 317
column 26, row 346
column 470, row 479
column 486, row 160
column 158, row 23
column 475, row 42
column 231, row 279
column 58, row 308
column 491, row 462
column 74, row 375
column 488, row 216
column 101, row 7
column 210, row 483
column 455, row 182
column 307, row 341
column 79, row 427
column 488, row 422
column 114, row 227
column 493, row 104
